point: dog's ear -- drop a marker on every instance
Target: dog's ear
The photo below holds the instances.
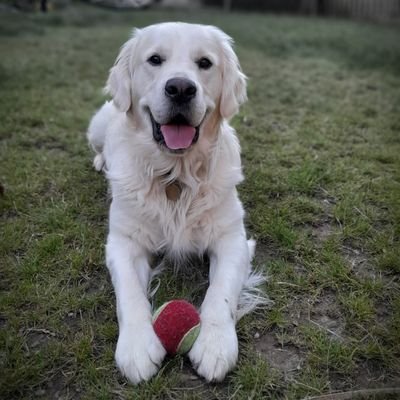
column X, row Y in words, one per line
column 233, row 80
column 119, row 83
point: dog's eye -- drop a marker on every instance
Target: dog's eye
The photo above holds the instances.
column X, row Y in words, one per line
column 155, row 60
column 204, row 63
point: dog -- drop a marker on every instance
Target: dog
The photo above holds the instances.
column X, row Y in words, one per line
column 173, row 163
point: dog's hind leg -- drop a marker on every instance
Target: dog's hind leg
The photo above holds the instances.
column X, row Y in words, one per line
column 97, row 131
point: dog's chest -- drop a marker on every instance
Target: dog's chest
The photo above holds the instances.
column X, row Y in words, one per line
column 180, row 218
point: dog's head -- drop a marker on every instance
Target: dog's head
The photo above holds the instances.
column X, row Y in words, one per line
column 175, row 78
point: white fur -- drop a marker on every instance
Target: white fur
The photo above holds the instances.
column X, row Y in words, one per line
column 208, row 216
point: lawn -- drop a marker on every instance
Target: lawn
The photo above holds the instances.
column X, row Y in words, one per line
column 320, row 137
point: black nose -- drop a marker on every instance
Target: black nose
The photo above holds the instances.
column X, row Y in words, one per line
column 180, row 90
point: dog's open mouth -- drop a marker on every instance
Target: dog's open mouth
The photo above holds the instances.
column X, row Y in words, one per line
column 177, row 134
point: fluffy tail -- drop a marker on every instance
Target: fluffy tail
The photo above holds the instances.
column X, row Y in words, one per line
column 252, row 296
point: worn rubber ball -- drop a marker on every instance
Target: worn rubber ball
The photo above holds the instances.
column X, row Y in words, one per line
column 177, row 325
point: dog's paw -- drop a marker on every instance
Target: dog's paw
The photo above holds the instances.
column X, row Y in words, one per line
column 139, row 353
column 215, row 351
column 98, row 162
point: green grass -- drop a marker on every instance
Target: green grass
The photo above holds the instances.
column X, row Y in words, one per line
column 321, row 145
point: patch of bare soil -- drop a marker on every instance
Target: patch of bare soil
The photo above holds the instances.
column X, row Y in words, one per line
column 369, row 375
column 189, row 381
column 322, row 231
column 37, row 338
column 264, row 252
column 285, row 358
column 359, row 263
column 58, row 389
column 325, row 314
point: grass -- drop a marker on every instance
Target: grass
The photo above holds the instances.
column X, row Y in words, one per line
column 320, row 139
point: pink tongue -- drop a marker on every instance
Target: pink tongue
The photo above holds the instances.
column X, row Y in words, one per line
column 178, row 136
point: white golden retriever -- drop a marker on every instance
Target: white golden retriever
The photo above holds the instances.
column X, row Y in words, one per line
column 173, row 163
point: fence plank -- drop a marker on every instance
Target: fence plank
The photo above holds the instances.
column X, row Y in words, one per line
column 367, row 9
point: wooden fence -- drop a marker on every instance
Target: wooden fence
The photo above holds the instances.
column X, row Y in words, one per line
column 365, row 9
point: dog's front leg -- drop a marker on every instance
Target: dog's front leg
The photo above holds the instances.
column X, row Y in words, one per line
column 139, row 352
column 216, row 349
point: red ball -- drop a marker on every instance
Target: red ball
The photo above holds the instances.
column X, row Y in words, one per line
column 177, row 325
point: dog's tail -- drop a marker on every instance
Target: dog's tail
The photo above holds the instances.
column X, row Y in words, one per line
column 252, row 295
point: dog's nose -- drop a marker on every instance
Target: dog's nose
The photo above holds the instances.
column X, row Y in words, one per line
column 180, row 90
